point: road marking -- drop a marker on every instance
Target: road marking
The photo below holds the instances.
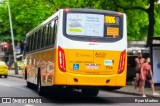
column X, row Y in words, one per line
column 4, row 84
column 28, row 105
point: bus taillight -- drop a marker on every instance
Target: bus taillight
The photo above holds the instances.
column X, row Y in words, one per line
column 61, row 59
column 122, row 62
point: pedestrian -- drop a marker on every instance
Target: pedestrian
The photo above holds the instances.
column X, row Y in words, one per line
column 138, row 61
column 146, row 74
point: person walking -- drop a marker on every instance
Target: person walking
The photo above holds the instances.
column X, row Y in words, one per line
column 146, row 74
column 138, row 61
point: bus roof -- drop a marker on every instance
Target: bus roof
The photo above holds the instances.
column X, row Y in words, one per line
column 92, row 10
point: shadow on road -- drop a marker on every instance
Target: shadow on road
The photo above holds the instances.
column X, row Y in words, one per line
column 136, row 93
column 73, row 97
column 61, row 96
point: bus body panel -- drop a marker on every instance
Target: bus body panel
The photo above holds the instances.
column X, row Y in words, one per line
column 92, row 61
column 45, row 61
column 44, row 58
column 90, row 71
column 96, row 80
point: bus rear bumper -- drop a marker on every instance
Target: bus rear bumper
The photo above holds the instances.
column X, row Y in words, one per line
column 96, row 80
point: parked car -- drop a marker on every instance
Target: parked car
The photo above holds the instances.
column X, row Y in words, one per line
column 3, row 69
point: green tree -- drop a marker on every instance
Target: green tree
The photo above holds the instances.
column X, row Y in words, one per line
column 26, row 14
column 157, row 20
column 147, row 6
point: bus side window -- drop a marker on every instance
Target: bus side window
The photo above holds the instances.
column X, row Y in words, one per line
column 27, row 44
column 39, row 39
column 36, row 40
column 49, row 34
column 54, row 31
column 33, row 41
column 30, row 43
column 43, row 37
column 46, row 35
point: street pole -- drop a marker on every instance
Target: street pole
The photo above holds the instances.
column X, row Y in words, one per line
column 11, row 28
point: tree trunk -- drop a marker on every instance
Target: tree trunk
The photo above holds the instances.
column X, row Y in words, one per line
column 115, row 5
column 151, row 23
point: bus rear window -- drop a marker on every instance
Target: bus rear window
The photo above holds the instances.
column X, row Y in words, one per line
column 94, row 25
column 97, row 25
column 81, row 24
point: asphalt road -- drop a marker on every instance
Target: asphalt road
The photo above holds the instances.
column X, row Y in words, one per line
column 16, row 87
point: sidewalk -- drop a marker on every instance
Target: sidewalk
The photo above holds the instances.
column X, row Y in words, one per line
column 128, row 89
column 11, row 73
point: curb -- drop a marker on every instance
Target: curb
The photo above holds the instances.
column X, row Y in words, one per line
column 15, row 76
column 11, row 73
column 132, row 93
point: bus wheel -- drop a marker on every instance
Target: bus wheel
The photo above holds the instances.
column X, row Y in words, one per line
column 39, row 87
column 25, row 75
column 90, row 91
column 29, row 84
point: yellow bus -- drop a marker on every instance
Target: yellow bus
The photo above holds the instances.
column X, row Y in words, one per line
column 78, row 48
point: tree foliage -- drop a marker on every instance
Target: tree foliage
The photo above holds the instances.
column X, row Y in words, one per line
column 27, row 14
column 157, row 20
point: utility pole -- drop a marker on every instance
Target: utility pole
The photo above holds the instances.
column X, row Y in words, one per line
column 11, row 29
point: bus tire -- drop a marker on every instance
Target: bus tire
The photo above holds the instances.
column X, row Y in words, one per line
column 90, row 91
column 39, row 87
column 25, row 75
column 28, row 84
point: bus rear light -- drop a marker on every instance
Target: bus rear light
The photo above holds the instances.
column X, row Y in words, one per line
column 122, row 62
column 61, row 59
